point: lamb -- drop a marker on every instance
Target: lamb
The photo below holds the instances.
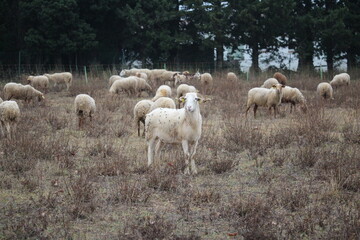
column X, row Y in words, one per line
column 162, row 91
column 325, row 90
column 140, row 110
column 182, row 90
column 84, row 107
column 293, row 96
column 130, row 85
column 339, row 80
column 269, row 83
column 231, row 77
column 183, row 126
column 205, row 79
column 9, row 117
column 63, row 78
column 280, row 77
column 163, row 102
column 270, row 98
column 39, row 82
column 22, row 92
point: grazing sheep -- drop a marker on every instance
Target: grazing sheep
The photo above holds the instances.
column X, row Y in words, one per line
column 142, row 75
column 164, row 125
column 281, row 78
column 231, row 77
column 342, row 79
column 22, row 92
column 39, row 82
column 162, row 91
column 142, row 85
column 269, row 83
column 140, row 110
column 60, row 78
column 325, row 90
column 133, row 72
column 163, row 102
column 182, row 90
column 293, row 96
column 9, row 116
column 168, row 77
column 269, row 98
column 131, row 85
column 205, row 79
column 113, row 78
column 84, row 107
column 180, row 78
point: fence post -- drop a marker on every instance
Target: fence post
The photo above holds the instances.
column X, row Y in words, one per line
column 86, row 79
column 321, row 73
column 19, row 63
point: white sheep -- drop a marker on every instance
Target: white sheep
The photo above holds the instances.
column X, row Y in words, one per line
column 181, row 78
column 182, row 90
column 269, row 98
column 9, row 117
column 142, row 85
column 164, row 125
column 205, row 79
column 1, row 100
column 22, row 92
column 84, row 107
column 131, row 85
column 163, row 102
column 140, row 110
column 231, row 77
column 162, row 91
column 61, row 78
column 39, row 82
column 325, row 90
column 142, row 75
column 269, row 83
column 168, row 77
column 342, row 79
column 293, row 96
column 113, row 78
column 280, row 77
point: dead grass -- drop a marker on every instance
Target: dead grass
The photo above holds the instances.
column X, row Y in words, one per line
column 293, row 177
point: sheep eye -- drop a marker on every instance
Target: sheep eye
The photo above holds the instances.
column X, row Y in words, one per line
column 197, row 99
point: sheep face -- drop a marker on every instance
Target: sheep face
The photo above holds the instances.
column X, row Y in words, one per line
column 278, row 87
column 191, row 101
column 122, row 73
column 41, row 97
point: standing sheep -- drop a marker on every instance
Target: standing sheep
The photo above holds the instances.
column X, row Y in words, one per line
column 164, row 125
column 293, row 96
column 142, row 75
column 22, row 92
column 205, row 79
column 162, row 91
column 342, row 79
column 182, row 90
column 280, row 77
column 265, row 97
column 113, row 78
column 140, row 110
column 60, row 78
column 163, row 102
column 325, row 90
column 84, row 107
column 231, row 77
column 130, row 85
column 9, row 117
column 269, row 83
column 39, row 82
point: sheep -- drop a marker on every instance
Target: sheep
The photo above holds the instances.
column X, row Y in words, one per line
column 164, row 125
column 231, row 77
column 339, row 80
column 9, row 117
column 163, row 102
column 142, row 75
column 181, row 90
column 168, row 77
column 39, row 82
column 162, row 91
column 84, row 107
column 22, row 92
column 140, row 110
column 293, row 96
column 130, row 85
column 133, row 72
column 270, row 98
column 205, row 79
column 325, row 90
column 280, row 77
column 113, row 78
column 63, row 77
column 269, row 83
column 1, row 100
column 181, row 78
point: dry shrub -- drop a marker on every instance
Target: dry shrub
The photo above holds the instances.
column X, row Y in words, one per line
column 205, row 196
column 148, row 227
column 292, row 198
column 221, row 166
column 129, row 192
column 56, row 122
column 101, row 148
column 111, row 167
column 164, row 179
column 351, row 133
column 306, row 156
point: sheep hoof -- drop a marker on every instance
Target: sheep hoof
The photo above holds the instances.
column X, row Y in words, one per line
column 187, row 172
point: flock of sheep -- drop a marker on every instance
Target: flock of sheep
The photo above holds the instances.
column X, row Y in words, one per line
column 165, row 120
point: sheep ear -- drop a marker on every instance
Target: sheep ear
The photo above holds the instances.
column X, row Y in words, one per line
column 204, row 100
column 282, row 86
column 273, row 86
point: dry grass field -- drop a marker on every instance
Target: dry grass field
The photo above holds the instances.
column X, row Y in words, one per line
column 293, row 177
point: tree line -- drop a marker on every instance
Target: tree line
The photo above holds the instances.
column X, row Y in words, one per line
column 118, row 31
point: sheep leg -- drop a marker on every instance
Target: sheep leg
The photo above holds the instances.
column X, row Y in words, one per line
column 8, row 129
column 2, row 127
column 144, row 128
column 158, row 147
column 193, row 165
column 255, row 108
column 138, row 126
column 151, row 147
column 185, row 147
